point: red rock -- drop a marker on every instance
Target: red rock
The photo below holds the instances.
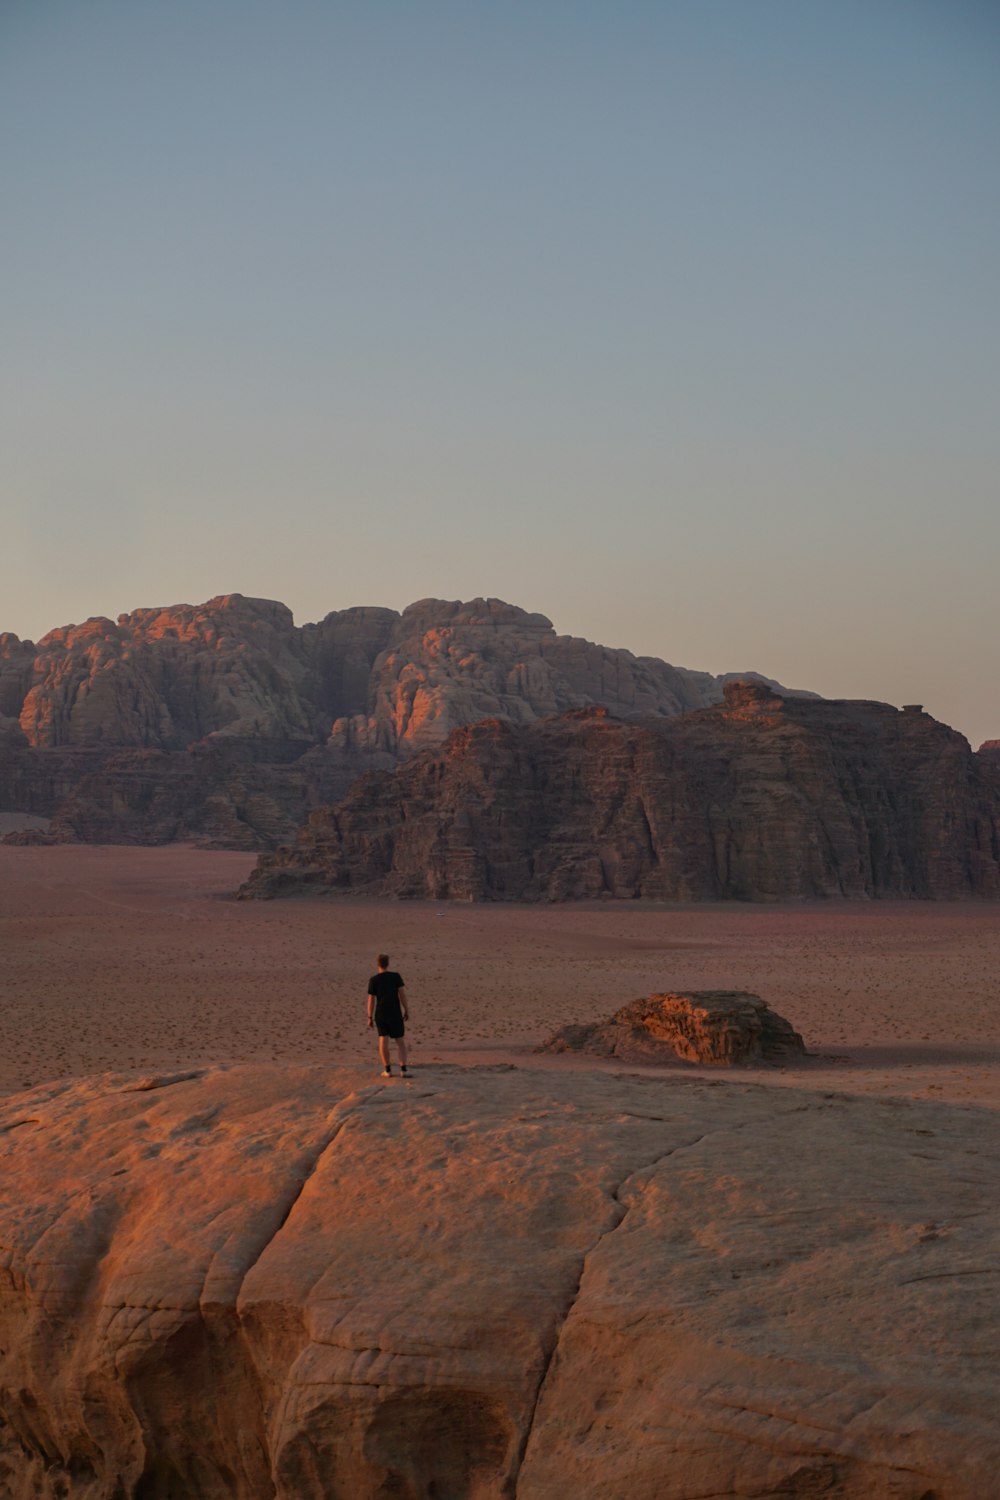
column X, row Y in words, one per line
column 761, row 798
column 97, row 720
column 722, row 1027
column 302, row 1284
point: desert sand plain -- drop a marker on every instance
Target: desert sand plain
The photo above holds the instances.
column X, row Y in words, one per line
column 121, row 958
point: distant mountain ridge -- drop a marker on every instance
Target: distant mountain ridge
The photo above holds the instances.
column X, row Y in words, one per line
column 163, row 678
column 225, row 722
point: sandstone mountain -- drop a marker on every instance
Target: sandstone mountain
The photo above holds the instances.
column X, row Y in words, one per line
column 759, row 798
column 565, row 1286
column 225, row 722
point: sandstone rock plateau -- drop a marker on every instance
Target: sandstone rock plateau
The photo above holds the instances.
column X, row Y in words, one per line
column 720, row 1027
column 759, row 798
column 265, row 1282
column 225, row 723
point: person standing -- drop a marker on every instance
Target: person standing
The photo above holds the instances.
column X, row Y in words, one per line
column 387, row 1011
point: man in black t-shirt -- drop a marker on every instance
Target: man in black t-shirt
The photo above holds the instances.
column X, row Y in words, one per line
column 387, row 1010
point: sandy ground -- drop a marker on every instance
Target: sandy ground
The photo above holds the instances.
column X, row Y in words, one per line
column 139, row 958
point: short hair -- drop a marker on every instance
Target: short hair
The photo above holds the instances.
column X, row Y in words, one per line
column 382, row 962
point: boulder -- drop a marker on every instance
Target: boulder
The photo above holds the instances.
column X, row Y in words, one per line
column 304, row 1284
column 721, row 1027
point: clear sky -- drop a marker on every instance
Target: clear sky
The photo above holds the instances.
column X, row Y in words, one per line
column 678, row 322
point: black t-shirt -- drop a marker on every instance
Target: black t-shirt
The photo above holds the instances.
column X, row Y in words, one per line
column 385, row 986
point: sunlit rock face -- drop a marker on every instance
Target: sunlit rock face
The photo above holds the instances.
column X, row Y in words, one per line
column 449, row 664
column 226, row 723
column 163, row 678
column 760, row 798
column 487, row 1284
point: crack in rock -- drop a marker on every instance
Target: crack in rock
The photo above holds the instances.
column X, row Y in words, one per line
column 160, row 1081
column 648, row 1167
column 549, row 1357
column 202, row 1310
column 949, row 1275
column 344, row 1112
column 348, row 1109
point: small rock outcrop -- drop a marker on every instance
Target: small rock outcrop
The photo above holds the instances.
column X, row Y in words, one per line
column 719, row 1027
column 563, row 1287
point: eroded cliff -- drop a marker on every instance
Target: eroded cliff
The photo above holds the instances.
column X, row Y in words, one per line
column 225, row 722
column 760, row 798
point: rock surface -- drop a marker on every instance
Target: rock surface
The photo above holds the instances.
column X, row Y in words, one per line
column 224, row 722
column 294, row 1283
column 722, row 1027
column 759, row 798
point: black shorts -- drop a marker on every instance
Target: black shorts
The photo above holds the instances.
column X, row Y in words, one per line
column 389, row 1020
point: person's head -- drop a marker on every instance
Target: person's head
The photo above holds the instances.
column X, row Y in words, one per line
column 383, row 961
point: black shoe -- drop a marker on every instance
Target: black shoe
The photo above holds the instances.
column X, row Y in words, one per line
column 386, row 1072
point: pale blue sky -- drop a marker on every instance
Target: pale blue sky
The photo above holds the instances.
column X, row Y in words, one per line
column 678, row 322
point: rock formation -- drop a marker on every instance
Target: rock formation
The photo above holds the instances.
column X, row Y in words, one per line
column 264, row 1282
column 446, row 665
column 760, row 798
column 163, row 678
column 718, row 1027
column 988, row 763
column 166, row 678
column 225, row 722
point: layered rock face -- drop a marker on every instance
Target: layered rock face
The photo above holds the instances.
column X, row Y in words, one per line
column 988, row 763
column 761, row 798
column 225, row 791
column 563, row 1287
column 724, row 1028
column 143, row 729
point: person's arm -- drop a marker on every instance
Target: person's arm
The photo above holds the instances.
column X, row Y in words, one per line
column 371, row 1009
column 402, row 1001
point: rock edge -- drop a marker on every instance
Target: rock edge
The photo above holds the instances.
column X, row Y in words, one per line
column 277, row 1282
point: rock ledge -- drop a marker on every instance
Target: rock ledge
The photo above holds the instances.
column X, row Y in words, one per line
column 295, row 1284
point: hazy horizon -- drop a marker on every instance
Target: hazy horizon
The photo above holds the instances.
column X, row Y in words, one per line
column 676, row 323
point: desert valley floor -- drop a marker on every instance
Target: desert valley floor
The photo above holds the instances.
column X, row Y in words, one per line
column 124, row 958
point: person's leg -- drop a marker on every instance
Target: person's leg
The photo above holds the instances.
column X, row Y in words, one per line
column 401, row 1049
column 383, row 1052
